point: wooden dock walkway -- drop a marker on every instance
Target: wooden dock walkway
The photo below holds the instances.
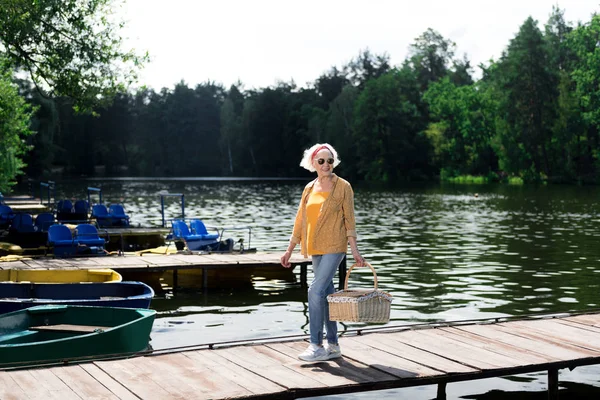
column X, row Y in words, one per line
column 149, row 262
column 395, row 358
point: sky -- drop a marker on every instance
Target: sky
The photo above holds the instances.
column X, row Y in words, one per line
column 263, row 42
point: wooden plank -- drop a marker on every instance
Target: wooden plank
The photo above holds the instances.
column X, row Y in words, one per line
column 168, row 377
column 380, row 360
column 560, row 334
column 138, row 381
column 247, row 379
column 267, row 365
column 199, row 380
column 47, row 388
column 57, row 388
column 579, row 325
column 82, row 383
column 69, row 328
column 592, row 320
column 437, row 343
column 47, row 263
column 10, row 389
column 337, row 372
column 386, row 342
column 115, row 387
column 12, row 265
column 523, row 355
column 503, row 334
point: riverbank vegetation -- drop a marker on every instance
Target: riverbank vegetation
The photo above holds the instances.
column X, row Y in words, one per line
column 533, row 115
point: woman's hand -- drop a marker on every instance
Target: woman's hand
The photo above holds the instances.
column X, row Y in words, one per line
column 285, row 259
column 358, row 259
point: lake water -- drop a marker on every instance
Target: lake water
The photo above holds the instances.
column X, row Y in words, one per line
column 445, row 252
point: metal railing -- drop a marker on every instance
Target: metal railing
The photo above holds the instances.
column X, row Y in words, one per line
column 162, row 205
column 50, row 187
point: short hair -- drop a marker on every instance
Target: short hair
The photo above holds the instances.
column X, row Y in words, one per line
column 310, row 153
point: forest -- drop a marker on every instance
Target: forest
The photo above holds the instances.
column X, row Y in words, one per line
column 533, row 115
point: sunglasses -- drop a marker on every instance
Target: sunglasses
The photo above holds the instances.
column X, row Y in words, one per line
column 321, row 161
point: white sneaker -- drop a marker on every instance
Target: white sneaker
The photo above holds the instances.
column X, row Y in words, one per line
column 333, row 351
column 314, row 353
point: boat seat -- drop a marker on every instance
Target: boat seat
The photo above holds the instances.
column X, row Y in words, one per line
column 65, row 210
column 43, row 221
column 100, row 213
column 87, row 234
column 62, row 241
column 6, row 215
column 181, row 231
column 81, row 209
column 117, row 213
column 23, row 223
column 199, row 228
column 69, row 328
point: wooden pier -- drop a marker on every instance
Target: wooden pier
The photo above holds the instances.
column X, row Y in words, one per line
column 395, row 358
column 150, row 263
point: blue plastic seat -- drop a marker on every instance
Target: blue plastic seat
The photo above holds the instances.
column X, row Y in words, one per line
column 193, row 241
column 65, row 210
column 62, row 241
column 87, row 234
column 100, row 213
column 81, row 209
column 23, row 223
column 199, row 228
column 6, row 215
column 117, row 213
column 43, row 221
column 181, row 231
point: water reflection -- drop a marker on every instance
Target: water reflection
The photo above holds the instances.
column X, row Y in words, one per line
column 441, row 251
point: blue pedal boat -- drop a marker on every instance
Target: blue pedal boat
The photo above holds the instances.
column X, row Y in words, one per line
column 18, row 296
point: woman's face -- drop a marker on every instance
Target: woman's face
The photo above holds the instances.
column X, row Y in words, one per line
column 323, row 162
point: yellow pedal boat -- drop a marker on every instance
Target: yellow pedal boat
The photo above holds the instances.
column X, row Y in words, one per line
column 60, row 275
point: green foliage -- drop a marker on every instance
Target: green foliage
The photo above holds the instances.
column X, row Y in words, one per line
column 532, row 117
column 14, row 128
column 462, row 138
column 527, row 90
column 386, row 129
column 69, row 47
column 431, row 56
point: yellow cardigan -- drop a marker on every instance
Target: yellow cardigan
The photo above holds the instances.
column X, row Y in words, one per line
column 335, row 223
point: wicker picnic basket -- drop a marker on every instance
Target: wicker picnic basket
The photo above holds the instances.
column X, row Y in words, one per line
column 359, row 305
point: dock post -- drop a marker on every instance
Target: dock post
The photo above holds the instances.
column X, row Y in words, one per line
column 303, row 275
column 342, row 273
column 204, row 279
column 441, row 391
column 553, row 384
column 175, row 280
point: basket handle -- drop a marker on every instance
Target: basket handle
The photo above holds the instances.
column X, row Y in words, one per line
column 350, row 270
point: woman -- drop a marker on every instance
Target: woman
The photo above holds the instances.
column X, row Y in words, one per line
column 324, row 226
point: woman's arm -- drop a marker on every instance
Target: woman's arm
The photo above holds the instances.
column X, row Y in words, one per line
column 358, row 259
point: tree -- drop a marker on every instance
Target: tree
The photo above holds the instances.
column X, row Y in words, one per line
column 462, row 136
column 530, row 92
column 387, row 128
column 14, row 128
column 69, row 48
column 586, row 75
column 431, row 56
column 365, row 67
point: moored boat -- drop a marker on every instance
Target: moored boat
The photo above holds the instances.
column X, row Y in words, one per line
column 51, row 333
column 19, row 296
column 60, row 275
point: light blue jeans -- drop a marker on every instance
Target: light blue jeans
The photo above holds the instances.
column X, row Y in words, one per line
column 324, row 268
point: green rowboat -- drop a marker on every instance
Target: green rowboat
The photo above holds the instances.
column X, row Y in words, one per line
column 51, row 334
